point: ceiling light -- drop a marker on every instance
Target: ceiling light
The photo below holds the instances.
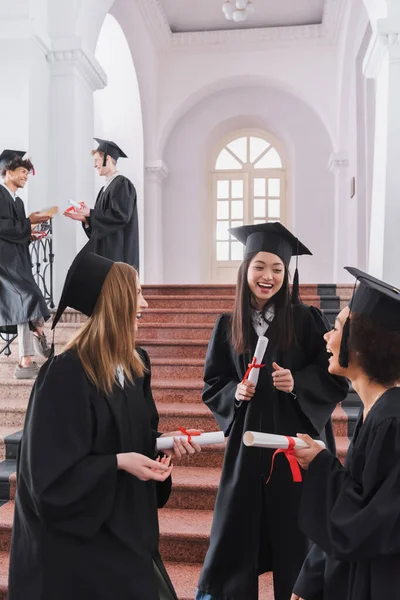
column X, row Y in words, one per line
column 237, row 10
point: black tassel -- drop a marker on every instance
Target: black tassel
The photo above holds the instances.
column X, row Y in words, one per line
column 52, row 345
column 105, row 159
column 344, row 345
column 295, row 299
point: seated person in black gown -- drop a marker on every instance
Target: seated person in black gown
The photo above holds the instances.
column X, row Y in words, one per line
column 352, row 513
column 85, row 523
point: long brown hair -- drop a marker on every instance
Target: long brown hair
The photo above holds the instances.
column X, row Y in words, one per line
column 241, row 316
column 108, row 338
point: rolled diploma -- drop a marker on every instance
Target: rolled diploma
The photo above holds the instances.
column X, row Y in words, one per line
column 74, row 204
column 212, row 437
column 256, row 439
column 259, row 355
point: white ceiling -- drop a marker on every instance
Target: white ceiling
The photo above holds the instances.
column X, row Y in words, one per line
column 207, row 15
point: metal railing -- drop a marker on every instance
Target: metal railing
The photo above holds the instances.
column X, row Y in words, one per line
column 42, row 259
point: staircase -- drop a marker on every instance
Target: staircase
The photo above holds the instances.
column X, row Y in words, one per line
column 175, row 331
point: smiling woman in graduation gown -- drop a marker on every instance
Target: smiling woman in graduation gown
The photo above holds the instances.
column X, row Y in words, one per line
column 84, row 529
column 352, row 513
column 255, row 525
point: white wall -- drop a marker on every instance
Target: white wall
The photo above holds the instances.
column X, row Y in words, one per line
column 118, row 113
column 186, row 204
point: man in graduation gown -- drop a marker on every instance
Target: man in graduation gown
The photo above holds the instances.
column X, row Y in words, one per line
column 22, row 306
column 112, row 225
column 352, row 512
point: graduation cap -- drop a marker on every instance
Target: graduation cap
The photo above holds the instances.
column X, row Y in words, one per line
column 84, row 282
column 375, row 299
column 274, row 238
column 109, row 148
column 8, row 156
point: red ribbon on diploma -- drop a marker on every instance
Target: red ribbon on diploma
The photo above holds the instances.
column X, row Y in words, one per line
column 189, row 435
column 294, row 465
column 252, row 365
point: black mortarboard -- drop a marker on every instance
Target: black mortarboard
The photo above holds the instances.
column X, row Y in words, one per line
column 109, row 148
column 83, row 284
column 8, row 155
column 274, row 238
column 375, row 299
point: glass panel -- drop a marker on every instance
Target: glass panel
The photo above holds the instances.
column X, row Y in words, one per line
column 270, row 160
column 222, row 188
column 237, row 251
column 259, row 221
column 274, row 209
column 274, row 187
column 257, row 147
column 237, row 188
column 222, row 230
column 260, row 187
column 259, row 208
column 223, row 210
column 273, row 221
column 235, row 224
column 222, row 250
column 226, row 161
column 237, row 209
column 239, row 147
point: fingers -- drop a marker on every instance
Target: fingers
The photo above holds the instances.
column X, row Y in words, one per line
column 277, row 367
column 245, row 391
column 282, row 379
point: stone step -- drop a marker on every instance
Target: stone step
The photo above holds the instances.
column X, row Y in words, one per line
column 175, row 348
column 184, row 534
column 187, row 415
column 222, row 303
column 180, row 315
column 181, row 368
column 194, row 488
column 188, row 290
column 4, row 562
column 6, row 521
column 185, row 577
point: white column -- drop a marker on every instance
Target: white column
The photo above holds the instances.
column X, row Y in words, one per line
column 382, row 63
column 74, row 77
column 339, row 166
column 156, row 172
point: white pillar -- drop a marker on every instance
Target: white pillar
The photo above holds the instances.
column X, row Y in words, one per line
column 382, row 63
column 339, row 166
column 156, row 171
column 74, row 77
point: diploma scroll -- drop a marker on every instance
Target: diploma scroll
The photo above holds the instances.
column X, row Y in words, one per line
column 212, row 437
column 254, row 367
column 257, row 439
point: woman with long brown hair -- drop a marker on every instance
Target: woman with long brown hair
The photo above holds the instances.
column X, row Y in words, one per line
column 255, row 525
column 85, row 522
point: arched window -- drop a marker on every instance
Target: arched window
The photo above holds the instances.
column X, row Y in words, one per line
column 249, row 186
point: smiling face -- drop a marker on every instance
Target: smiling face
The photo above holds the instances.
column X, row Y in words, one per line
column 265, row 277
column 17, row 178
column 141, row 303
column 333, row 339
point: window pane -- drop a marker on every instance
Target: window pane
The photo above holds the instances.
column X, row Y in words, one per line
column 274, row 187
column 274, row 209
column 222, row 188
column 237, row 188
column 237, row 251
column 270, row 160
column 237, row 209
column 257, row 147
column 222, row 250
column 259, row 208
column 260, row 186
column 223, row 210
column 226, row 161
column 235, row 224
column 259, row 221
column 239, row 147
column 222, row 230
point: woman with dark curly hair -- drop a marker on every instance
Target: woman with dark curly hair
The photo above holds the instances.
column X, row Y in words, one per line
column 352, row 513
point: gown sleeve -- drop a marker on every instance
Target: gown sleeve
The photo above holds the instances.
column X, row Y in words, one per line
column 14, row 230
column 163, row 487
column 356, row 521
column 317, row 391
column 310, row 582
column 122, row 204
column 72, row 489
column 220, row 376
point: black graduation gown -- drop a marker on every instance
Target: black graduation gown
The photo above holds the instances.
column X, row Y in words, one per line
column 20, row 298
column 255, row 526
column 113, row 223
column 352, row 513
column 82, row 529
